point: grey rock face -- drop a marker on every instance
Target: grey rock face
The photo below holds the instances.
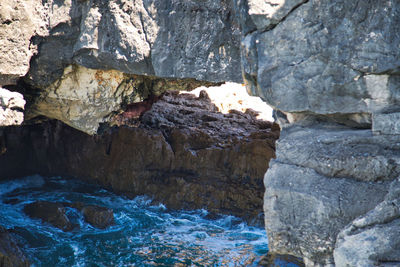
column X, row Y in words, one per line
column 305, row 210
column 329, row 57
column 373, row 239
column 19, row 21
column 341, row 152
column 198, row 39
column 321, row 64
column 266, row 14
column 386, row 123
column 174, row 38
column 11, row 108
column 323, row 178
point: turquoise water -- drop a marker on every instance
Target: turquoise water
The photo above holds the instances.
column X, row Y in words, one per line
column 144, row 235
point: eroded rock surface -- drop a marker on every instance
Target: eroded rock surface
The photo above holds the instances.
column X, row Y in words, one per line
column 81, row 59
column 19, row 21
column 372, row 239
column 84, row 98
column 182, row 152
column 324, row 177
column 12, row 105
column 327, row 57
column 10, row 254
column 180, row 39
column 331, row 69
column 317, row 62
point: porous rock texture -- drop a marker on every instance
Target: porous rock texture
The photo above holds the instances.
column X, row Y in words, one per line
column 182, row 152
column 331, row 70
column 84, row 98
column 79, row 57
column 181, row 39
column 373, row 239
column 12, row 105
column 327, row 57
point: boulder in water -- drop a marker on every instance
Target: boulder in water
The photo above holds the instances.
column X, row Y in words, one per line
column 50, row 212
column 97, row 216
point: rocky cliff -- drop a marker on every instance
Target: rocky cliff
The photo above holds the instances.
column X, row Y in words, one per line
column 329, row 68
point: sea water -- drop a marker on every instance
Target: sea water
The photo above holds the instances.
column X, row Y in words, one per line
column 144, row 234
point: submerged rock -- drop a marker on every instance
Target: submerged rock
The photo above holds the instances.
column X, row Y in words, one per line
column 50, row 212
column 10, row 254
column 99, row 217
column 55, row 214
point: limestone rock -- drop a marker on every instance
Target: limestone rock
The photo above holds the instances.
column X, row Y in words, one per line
column 321, row 64
column 304, row 211
column 19, row 21
column 266, row 14
column 84, row 98
column 50, row 212
column 175, row 39
column 11, row 108
column 328, row 57
column 10, row 254
column 372, row 239
column 338, row 151
column 324, row 176
column 387, row 123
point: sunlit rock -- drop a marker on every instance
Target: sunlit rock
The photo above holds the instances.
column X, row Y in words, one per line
column 11, row 108
column 82, row 97
column 19, row 21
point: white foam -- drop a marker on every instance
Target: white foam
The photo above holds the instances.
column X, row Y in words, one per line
column 29, row 181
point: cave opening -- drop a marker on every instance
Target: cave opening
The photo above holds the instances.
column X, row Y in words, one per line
column 188, row 150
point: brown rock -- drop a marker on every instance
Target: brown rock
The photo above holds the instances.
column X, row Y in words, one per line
column 97, row 216
column 183, row 153
column 50, row 212
column 10, row 254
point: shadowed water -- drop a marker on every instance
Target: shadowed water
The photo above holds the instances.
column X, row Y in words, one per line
column 144, row 234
